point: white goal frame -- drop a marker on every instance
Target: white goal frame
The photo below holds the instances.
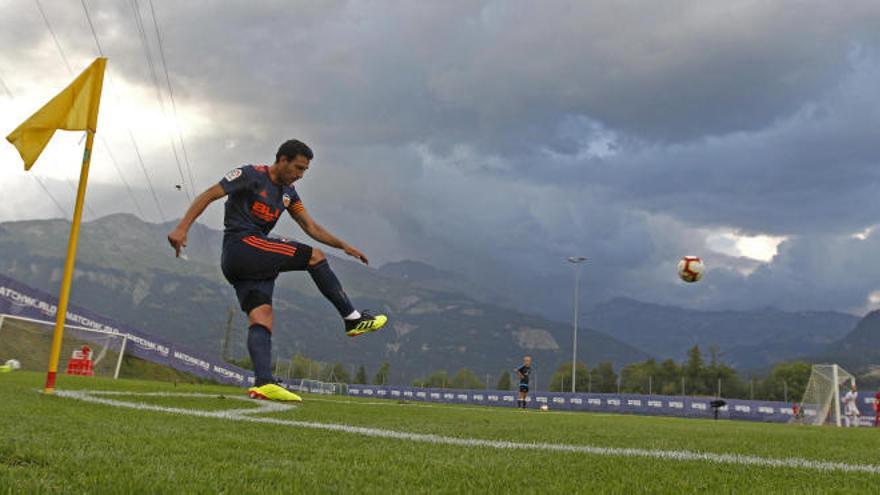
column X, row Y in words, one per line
column 828, row 400
column 124, row 336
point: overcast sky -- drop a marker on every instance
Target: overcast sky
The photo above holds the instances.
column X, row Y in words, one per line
column 496, row 138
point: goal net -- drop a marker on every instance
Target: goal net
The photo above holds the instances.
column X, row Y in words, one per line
column 821, row 402
column 84, row 351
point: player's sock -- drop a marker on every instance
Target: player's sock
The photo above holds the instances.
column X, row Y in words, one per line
column 330, row 287
column 259, row 344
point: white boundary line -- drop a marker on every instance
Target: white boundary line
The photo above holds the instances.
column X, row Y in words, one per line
column 465, row 407
column 271, row 407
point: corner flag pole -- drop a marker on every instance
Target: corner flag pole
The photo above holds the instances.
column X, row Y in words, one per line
column 73, row 109
column 64, row 296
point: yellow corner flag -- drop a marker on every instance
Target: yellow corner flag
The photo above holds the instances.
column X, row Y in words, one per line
column 74, row 109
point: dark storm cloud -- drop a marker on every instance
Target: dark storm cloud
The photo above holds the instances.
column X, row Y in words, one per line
column 499, row 137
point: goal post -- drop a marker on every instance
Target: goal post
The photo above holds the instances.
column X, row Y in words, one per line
column 821, row 402
column 84, row 351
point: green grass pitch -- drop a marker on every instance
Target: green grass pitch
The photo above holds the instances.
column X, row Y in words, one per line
column 53, row 444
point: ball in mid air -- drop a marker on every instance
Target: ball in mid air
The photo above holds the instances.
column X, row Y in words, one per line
column 690, row 269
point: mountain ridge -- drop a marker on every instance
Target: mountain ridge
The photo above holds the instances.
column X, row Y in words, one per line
column 126, row 271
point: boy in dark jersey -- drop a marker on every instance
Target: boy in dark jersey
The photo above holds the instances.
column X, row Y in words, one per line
column 251, row 260
column 524, row 372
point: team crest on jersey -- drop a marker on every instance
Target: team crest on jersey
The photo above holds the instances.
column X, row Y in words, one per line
column 233, row 174
column 286, row 200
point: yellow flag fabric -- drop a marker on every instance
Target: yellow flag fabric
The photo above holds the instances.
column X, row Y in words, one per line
column 74, row 109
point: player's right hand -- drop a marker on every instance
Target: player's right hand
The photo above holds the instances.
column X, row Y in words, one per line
column 177, row 239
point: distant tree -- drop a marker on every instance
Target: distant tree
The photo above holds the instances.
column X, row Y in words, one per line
column 790, row 376
column 669, row 378
column 604, row 378
column 466, row 379
column 561, row 379
column 361, row 377
column 638, row 378
column 304, row 367
column 717, row 371
column 437, row 379
column 336, row 373
column 694, row 372
column 503, row 381
column 382, row 375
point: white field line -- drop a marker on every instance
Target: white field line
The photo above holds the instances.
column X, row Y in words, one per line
column 472, row 408
column 266, row 406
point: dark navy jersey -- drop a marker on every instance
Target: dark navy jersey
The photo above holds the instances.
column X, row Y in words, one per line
column 254, row 202
column 525, row 371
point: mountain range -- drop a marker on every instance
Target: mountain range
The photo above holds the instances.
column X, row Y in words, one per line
column 441, row 319
column 745, row 339
column 126, row 270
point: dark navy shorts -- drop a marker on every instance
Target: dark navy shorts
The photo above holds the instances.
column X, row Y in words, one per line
column 252, row 263
column 524, row 387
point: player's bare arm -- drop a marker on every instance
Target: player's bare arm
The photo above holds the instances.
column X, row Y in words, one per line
column 177, row 237
column 314, row 230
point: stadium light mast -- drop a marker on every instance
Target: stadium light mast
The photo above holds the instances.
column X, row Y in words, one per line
column 576, row 261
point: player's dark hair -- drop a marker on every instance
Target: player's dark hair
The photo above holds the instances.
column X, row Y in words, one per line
column 293, row 148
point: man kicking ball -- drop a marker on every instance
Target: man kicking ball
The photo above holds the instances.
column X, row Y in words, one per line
column 251, row 260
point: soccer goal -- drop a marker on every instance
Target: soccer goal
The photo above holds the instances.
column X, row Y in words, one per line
column 84, row 351
column 821, row 402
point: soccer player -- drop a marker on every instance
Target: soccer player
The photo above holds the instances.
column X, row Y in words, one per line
column 251, row 260
column 851, row 407
column 523, row 372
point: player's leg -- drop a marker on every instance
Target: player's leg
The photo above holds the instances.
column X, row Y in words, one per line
column 259, row 343
column 356, row 322
column 252, row 274
column 255, row 297
column 294, row 256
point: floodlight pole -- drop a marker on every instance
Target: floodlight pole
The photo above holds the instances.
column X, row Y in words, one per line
column 576, row 261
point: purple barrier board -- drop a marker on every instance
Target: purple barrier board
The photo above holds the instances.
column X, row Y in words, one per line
column 17, row 299
column 649, row 405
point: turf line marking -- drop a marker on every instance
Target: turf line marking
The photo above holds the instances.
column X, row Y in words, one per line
column 271, row 407
column 472, row 408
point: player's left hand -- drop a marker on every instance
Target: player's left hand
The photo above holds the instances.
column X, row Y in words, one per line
column 356, row 253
